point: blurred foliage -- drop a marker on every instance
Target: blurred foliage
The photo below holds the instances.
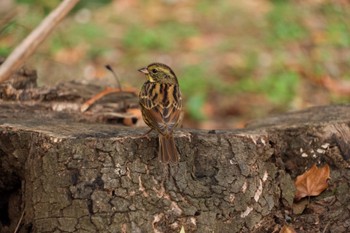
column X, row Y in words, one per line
column 285, row 24
column 234, row 59
column 156, row 38
column 280, row 88
column 47, row 6
column 44, row 5
column 194, row 85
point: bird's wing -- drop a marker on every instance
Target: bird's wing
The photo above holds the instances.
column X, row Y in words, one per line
column 161, row 106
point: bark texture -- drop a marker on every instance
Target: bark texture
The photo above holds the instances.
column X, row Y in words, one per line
column 63, row 173
column 80, row 177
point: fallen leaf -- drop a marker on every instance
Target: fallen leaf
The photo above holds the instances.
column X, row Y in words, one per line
column 182, row 229
column 312, row 182
column 287, row 229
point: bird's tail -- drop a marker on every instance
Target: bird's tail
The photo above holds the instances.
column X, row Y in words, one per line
column 167, row 149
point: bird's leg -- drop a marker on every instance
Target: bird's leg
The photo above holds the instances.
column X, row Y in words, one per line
column 146, row 134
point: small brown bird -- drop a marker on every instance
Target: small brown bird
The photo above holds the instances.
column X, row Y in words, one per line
column 161, row 104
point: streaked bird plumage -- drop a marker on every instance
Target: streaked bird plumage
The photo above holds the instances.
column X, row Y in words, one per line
column 161, row 107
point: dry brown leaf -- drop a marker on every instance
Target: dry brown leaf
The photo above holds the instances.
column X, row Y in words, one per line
column 312, row 182
column 287, row 229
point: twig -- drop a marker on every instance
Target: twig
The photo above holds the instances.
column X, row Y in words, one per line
column 108, row 67
column 34, row 39
column 105, row 92
column 326, row 227
column 19, row 222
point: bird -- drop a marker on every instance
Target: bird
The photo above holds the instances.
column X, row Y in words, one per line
column 161, row 107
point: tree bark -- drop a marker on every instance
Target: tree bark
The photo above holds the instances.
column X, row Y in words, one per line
column 78, row 177
column 60, row 171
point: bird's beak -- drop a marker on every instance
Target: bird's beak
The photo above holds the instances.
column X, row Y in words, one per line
column 144, row 70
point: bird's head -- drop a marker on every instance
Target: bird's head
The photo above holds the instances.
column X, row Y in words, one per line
column 158, row 72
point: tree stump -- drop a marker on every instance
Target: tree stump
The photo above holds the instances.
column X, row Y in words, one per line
column 78, row 177
column 62, row 173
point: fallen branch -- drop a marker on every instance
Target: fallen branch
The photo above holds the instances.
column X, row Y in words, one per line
column 109, row 90
column 31, row 42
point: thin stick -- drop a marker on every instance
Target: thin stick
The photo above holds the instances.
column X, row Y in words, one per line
column 123, row 104
column 19, row 222
column 325, row 228
column 87, row 104
column 34, row 39
column 108, row 67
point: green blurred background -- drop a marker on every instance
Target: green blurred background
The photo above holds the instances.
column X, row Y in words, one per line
column 236, row 60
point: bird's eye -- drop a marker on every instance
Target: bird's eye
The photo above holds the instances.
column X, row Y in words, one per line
column 154, row 71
